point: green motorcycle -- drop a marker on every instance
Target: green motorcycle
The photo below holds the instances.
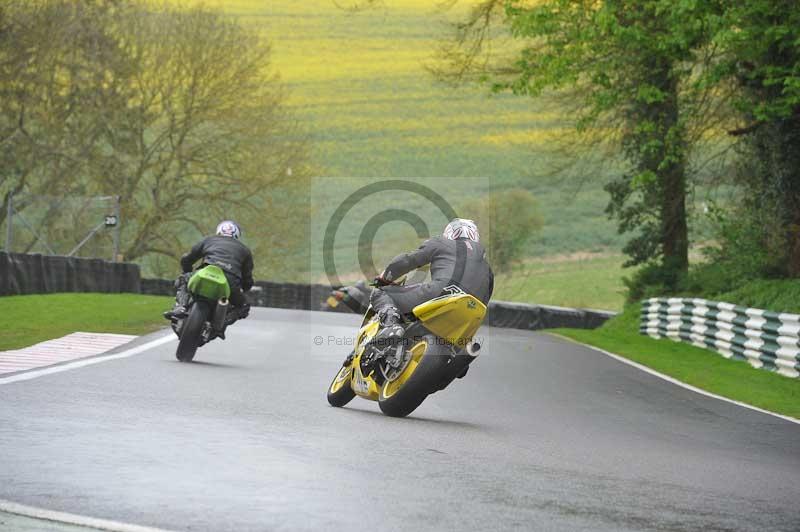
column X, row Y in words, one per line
column 207, row 312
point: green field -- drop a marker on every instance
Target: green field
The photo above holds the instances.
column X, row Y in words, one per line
column 580, row 281
column 27, row 320
column 357, row 83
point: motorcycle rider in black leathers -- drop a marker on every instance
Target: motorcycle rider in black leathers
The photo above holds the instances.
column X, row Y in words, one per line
column 227, row 252
column 457, row 261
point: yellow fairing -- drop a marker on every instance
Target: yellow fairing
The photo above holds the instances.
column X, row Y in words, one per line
column 366, row 333
column 454, row 318
column 362, row 385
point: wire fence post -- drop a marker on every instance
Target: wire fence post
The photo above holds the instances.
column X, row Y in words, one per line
column 117, row 229
column 63, row 219
column 10, row 223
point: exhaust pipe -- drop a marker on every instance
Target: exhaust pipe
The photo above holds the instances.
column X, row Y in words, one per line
column 220, row 313
column 473, row 349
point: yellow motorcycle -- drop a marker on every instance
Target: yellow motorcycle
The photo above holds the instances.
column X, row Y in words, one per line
column 437, row 347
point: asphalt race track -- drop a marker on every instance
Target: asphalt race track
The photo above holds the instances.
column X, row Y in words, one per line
column 541, row 435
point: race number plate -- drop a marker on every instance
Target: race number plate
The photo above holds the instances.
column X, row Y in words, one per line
column 360, row 385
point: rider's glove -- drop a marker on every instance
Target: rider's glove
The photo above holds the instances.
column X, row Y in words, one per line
column 380, row 281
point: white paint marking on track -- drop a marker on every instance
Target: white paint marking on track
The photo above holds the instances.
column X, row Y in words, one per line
column 70, row 347
column 675, row 381
column 72, row 519
column 28, row 375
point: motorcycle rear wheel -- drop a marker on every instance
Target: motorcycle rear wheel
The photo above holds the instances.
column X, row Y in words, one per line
column 340, row 392
column 402, row 395
column 192, row 329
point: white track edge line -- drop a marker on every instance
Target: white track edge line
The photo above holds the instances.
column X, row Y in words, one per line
column 676, row 381
column 72, row 519
column 49, row 370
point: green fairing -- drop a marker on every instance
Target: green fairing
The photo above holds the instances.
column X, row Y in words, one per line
column 210, row 283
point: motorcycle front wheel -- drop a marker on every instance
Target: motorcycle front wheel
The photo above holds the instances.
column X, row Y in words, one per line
column 191, row 331
column 340, row 392
column 403, row 394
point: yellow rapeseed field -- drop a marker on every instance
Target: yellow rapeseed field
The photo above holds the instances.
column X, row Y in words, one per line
column 356, row 75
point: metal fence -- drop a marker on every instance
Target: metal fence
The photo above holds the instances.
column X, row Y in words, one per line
column 70, row 226
column 767, row 340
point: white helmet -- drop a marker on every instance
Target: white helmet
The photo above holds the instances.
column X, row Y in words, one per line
column 462, row 228
column 229, row 228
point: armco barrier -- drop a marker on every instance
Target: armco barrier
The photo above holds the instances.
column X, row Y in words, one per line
column 40, row 274
column 768, row 340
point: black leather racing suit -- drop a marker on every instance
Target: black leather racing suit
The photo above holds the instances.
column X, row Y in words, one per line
column 234, row 258
column 459, row 262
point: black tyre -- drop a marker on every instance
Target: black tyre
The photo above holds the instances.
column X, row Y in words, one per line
column 340, row 392
column 191, row 331
column 402, row 395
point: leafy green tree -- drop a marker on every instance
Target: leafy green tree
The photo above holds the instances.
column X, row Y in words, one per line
column 630, row 62
column 760, row 44
column 626, row 73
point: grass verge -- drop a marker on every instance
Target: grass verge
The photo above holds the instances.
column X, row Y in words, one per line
column 578, row 280
column 702, row 368
column 26, row 320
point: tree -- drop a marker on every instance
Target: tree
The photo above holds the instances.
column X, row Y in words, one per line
column 174, row 109
column 627, row 69
column 203, row 132
column 46, row 134
column 630, row 60
column 760, row 41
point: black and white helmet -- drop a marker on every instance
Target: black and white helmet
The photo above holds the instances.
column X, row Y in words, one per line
column 462, row 228
column 229, row 228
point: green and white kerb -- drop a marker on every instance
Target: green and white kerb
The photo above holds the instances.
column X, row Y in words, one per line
column 767, row 340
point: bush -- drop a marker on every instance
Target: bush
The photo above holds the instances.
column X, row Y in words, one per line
column 748, row 246
column 508, row 220
column 744, row 251
column 653, row 280
column 777, row 295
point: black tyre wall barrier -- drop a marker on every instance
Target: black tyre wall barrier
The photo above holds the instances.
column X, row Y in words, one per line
column 22, row 273
column 263, row 294
column 288, row 295
column 535, row 317
column 158, row 287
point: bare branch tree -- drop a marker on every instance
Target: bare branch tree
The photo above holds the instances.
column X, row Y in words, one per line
column 175, row 109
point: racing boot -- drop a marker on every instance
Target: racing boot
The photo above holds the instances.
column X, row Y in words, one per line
column 391, row 332
column 182, row 296
column 178, row 312
column 234, row 314
column 237, row 313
